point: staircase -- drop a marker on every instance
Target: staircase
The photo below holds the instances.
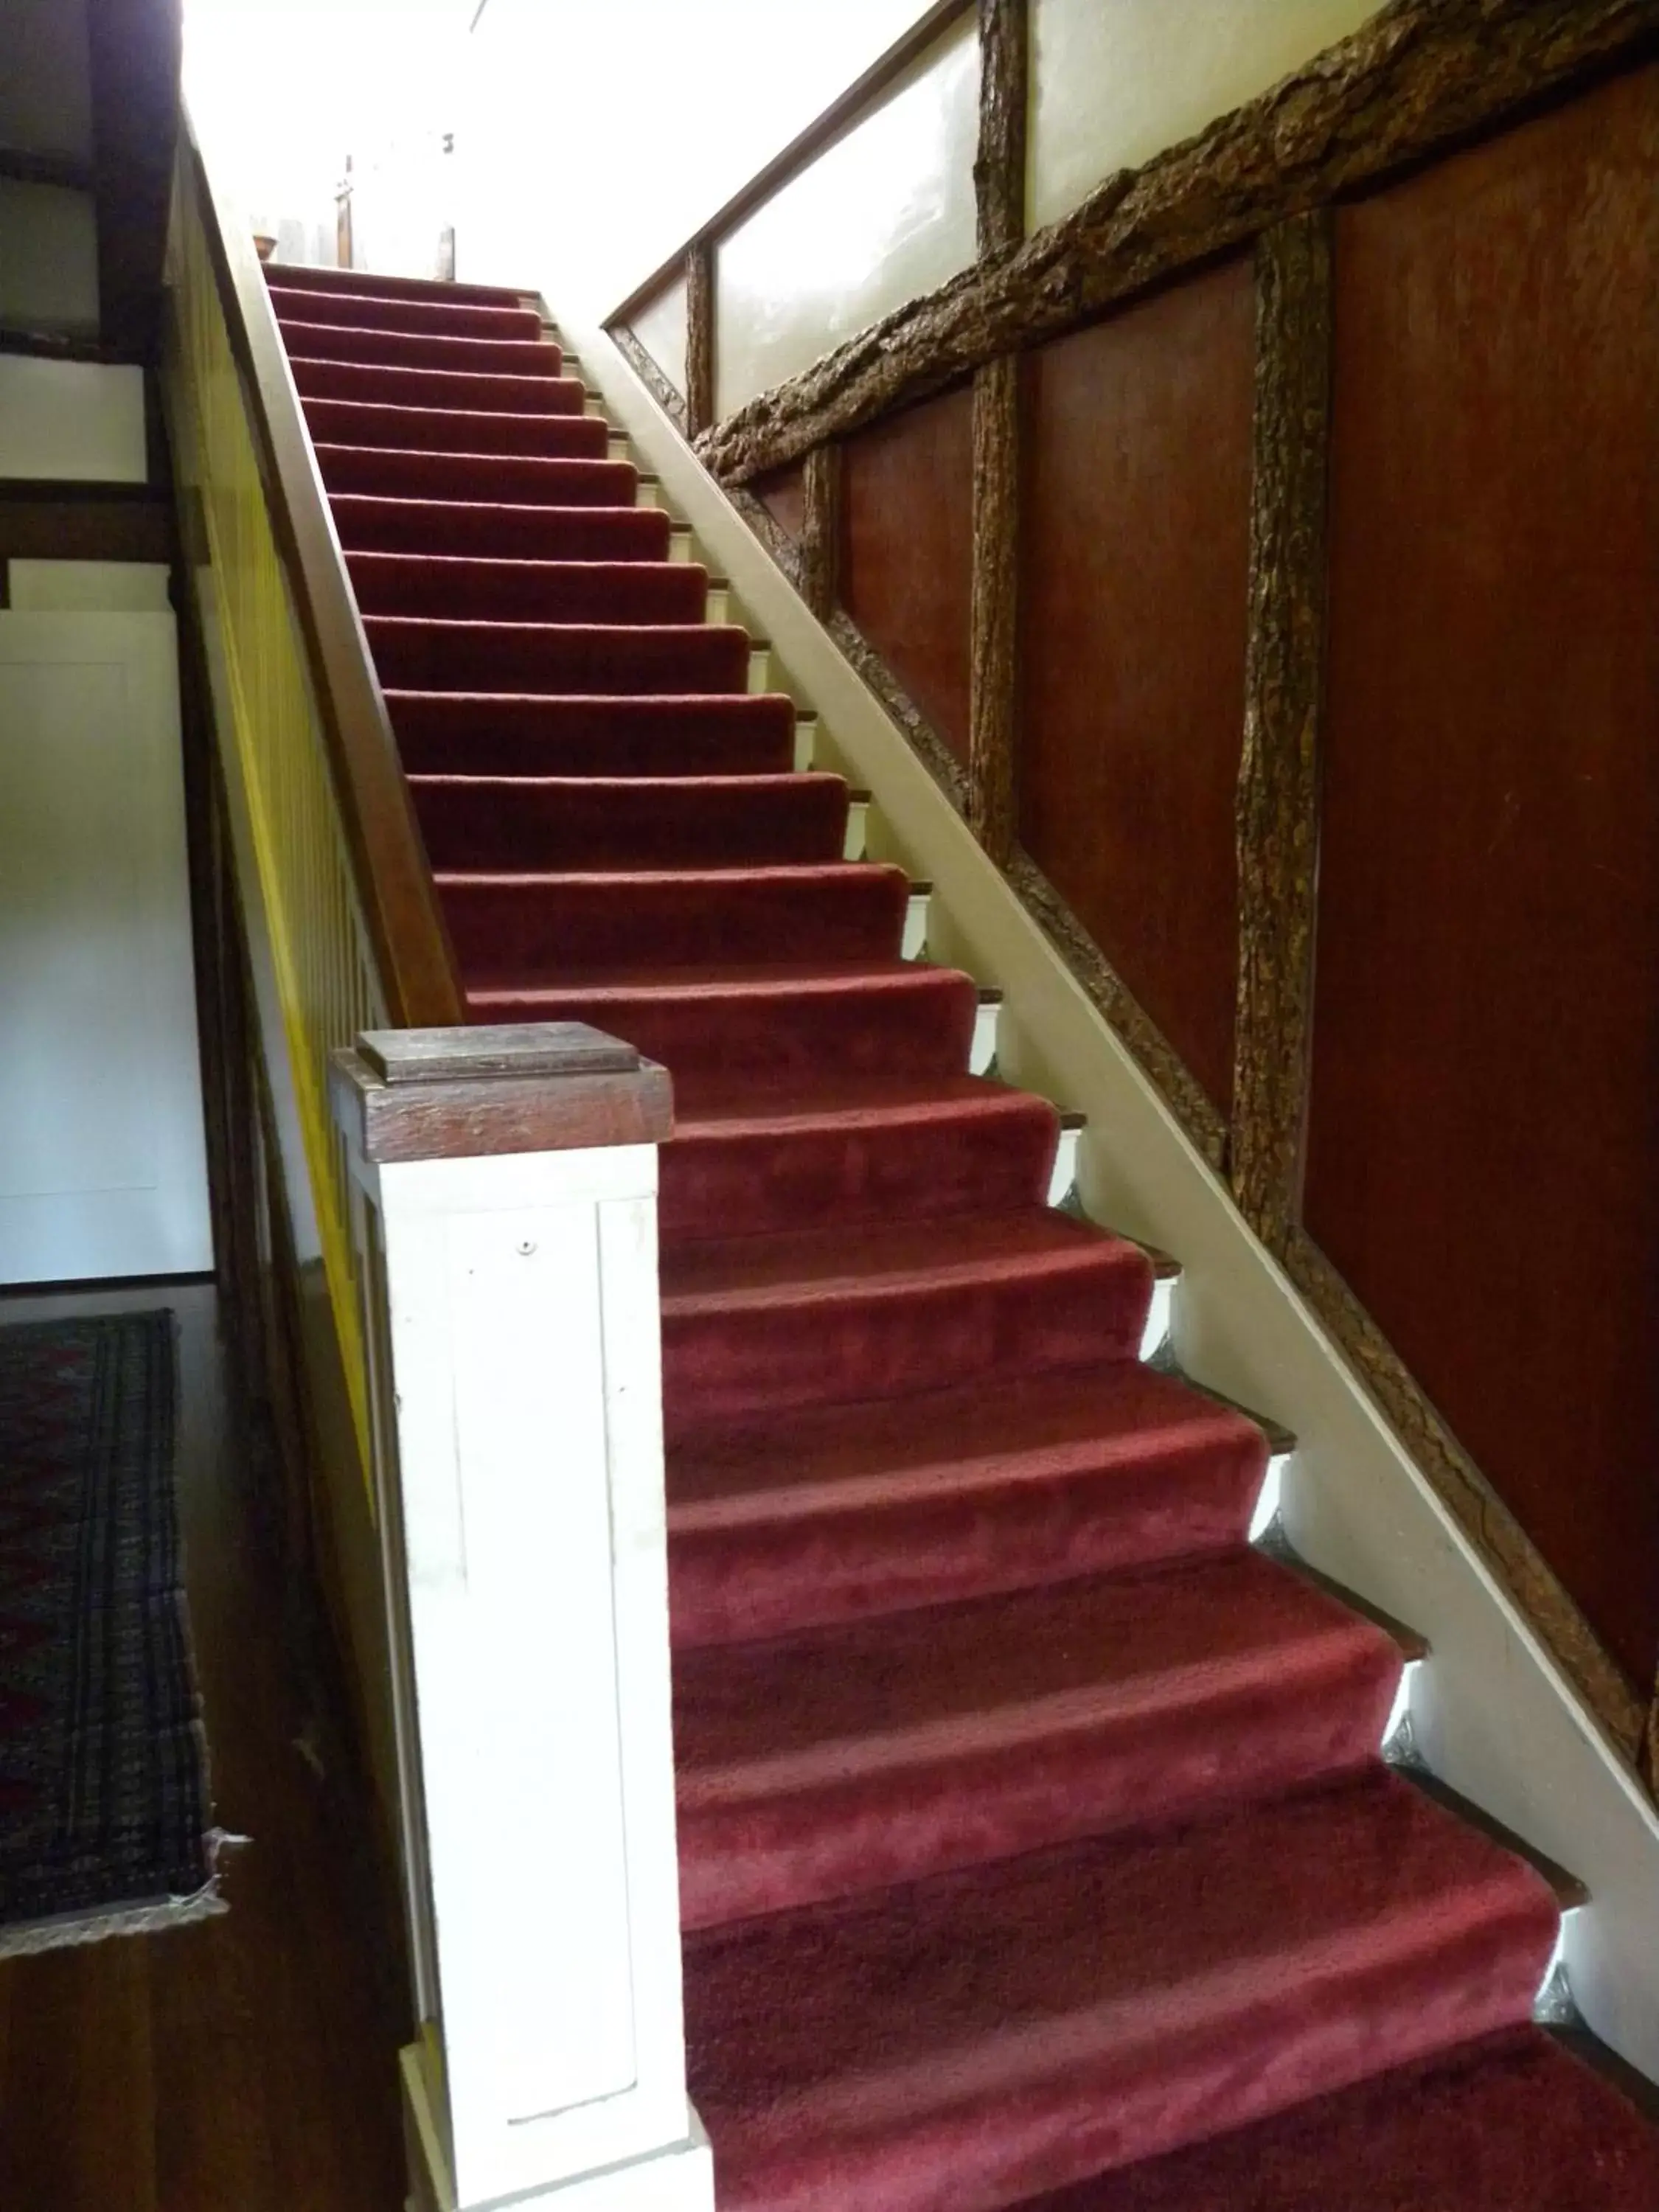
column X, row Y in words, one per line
column 1034, row 1831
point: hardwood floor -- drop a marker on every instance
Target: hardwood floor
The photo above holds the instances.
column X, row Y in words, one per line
column 248, row 2064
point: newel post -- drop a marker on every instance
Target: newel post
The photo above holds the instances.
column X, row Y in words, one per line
column 506, row 1212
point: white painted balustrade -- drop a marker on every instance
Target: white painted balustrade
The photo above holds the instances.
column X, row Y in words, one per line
column 505, row 1193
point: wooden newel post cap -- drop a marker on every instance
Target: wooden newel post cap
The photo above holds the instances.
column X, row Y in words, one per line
column 527, row 1087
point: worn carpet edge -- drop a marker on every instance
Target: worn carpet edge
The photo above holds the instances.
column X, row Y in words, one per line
column 23, row 1939
column 145, row 1914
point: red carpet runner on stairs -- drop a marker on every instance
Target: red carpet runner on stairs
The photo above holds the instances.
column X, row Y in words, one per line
column 1034, row 1834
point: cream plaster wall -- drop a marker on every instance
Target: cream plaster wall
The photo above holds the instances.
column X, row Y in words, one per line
column 883, row 212
column 660, row 329
column 1115, row 82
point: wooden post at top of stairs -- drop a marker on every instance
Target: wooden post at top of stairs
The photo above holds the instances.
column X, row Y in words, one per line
column 505, row 1186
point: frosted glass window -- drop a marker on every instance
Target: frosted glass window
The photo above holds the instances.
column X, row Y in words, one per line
column 885, row 212
column 660, row 326
column 1115, row 82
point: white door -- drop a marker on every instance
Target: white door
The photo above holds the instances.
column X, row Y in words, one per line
column 102, row 1164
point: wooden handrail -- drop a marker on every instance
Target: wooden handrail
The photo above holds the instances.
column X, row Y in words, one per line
column 390, row 870
column 839, row 117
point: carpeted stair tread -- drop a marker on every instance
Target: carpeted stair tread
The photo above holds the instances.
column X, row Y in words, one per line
column 324, row 379
column 597, row 822
column 502, row 479
column 967, row 2041
column 732, row 1271
column 843, row 1512
column 420, row 653
column 740, row 1164
column 363, row 284
column 510, row 927
column 450, row 430
column 895, row 1748
column 335, row 341
column 1511, row 2123
column 881, row 1309
column 372, row 522
column 379, row 312
column 473, row 588
column 775, row 1023
column 613, row 735
column 977, row 1436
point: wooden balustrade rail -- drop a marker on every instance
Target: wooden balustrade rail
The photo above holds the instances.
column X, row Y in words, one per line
column 332, row 871
column 393, row 882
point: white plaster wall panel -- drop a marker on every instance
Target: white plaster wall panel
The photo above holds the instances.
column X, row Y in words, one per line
column 46, row 95
column 78, row 419
column 48, row 259
column 102, row 1164
column 1115, row 82
column 660, row 326
column 884, row 212
column 89, row 588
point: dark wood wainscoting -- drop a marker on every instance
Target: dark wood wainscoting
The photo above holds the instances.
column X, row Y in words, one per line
column 907, row 552
column 1485, row 1064
column 1318, row 461
column 782, row 493
column 1136, row 507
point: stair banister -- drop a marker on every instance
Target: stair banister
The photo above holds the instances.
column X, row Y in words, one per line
column 394, row 883
column 505, row 1185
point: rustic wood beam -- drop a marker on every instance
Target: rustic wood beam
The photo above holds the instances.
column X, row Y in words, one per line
column 999, row 163
column 994, row 620
column 1421, row 77
column 107, row 528
column 820, row 538
column 1277, row 803
column 699, row 336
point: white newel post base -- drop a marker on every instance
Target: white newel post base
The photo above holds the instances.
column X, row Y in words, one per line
column 505, row 1213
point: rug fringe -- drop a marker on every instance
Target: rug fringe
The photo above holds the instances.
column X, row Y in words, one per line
column 151, row 1918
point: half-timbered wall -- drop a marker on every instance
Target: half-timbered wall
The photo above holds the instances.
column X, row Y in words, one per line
column 1264, row 555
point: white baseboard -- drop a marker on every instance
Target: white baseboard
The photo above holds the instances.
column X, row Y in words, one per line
column 679, row 2177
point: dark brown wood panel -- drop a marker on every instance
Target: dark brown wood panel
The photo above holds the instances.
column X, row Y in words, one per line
column 782, row 493
column 135, row 50
column 72, row 527
column 1133, row 611
column 1483, row 1166
column 907, row 552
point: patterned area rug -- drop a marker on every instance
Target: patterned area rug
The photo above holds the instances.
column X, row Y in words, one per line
column 103, row 1772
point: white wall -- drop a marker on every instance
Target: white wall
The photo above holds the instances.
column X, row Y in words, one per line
column 883, row 212
column 673, row 107
column 77, row 419
column 297, row 85
column 1115, row 82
